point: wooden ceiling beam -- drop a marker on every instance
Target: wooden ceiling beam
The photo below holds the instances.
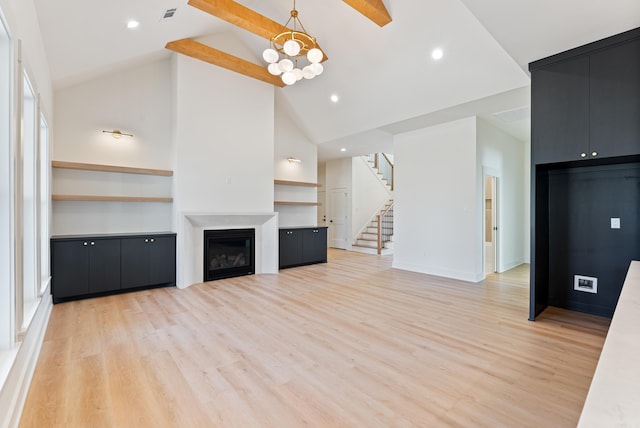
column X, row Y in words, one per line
column 222, row 59
column 243, row 17
column 372, row 9
column 240, row 16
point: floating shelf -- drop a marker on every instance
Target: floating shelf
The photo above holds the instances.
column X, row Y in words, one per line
column 305, row 204
column 110, row 168
column 108, row 198
column 295, row 183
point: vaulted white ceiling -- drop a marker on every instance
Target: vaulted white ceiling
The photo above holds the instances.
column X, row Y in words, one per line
column 385, row 77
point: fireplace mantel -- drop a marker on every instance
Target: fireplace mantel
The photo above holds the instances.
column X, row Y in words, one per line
column 190, row 241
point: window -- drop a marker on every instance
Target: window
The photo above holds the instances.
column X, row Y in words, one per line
column 44, row 206
column 28, row 147
column 6, row 192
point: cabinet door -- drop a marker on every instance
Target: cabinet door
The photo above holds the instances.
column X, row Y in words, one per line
column 69, row 268
column 290, row 247
column 560, row 111
column 135, row 262
column 104, row 265
column 162, row 260
column 615, row 100
column 314, row 249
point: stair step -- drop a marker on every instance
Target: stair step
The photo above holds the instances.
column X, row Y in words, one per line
column 375, row 247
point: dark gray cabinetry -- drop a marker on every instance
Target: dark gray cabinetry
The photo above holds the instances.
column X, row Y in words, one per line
column 614, row 91
column 145, row 261
column 585, row 173
column 83, row 266
column 560, row 111
column 585, row 103
column 302, row 246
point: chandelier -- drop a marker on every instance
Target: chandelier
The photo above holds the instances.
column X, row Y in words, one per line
column 301, row 55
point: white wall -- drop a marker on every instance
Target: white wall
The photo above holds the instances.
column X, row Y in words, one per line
column 290, row 141
column 224, row 140
column 436, row 211
column 503, row 156
column 369, row 195
column 137, row 100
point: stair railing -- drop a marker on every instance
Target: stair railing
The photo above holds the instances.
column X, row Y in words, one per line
column 384, row 165
column 385, row 227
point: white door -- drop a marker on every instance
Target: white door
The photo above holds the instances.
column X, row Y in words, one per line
column 322, row 208
column 338, row 218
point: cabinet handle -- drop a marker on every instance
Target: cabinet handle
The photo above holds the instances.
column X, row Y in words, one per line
column 146, row 240
column 594, row 154
column 85, row 244
column 93, row 243
column 152, row 240
column 583, row 155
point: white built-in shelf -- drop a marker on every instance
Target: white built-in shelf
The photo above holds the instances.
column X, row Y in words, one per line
column 304, row 204
column 110, row 168
column 109, row 198
column 295, row 183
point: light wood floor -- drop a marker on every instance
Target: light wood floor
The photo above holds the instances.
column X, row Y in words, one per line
column 351, row 343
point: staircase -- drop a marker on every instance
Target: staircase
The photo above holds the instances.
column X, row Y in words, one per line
column 377, row 237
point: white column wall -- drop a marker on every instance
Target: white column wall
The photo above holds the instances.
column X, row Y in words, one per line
column 224, row 140
column 436, row 212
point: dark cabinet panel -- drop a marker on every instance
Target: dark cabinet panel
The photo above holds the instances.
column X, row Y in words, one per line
column 614, row 88
column 560, row 112
column 85, row 266
column 290, row 251
column 162, row 260
column 148, row 260
column 104, row 265
column 135, row 262
column 314, row 247
column 302, row 246
column 70, row 268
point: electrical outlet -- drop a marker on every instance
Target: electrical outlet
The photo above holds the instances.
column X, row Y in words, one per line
column 615, row 223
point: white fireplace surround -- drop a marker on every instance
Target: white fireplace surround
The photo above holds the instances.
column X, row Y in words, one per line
column 190, row 258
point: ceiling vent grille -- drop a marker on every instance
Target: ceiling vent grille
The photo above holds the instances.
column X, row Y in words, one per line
column 168, row 13
column 514, row 115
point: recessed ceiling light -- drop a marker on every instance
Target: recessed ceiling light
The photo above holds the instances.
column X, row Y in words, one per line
column 133, row 24
column 437, row 54
column 334, row 98
column 343, row 149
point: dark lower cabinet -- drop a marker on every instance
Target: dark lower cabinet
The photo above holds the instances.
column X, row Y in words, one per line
column 95, row 265
column 144, row 261
column 302, row 246
column 85, row 266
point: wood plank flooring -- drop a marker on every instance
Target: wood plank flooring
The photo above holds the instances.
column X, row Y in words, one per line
column 351, row 343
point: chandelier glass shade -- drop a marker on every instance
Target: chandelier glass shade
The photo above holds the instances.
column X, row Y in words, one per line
column 301, row 56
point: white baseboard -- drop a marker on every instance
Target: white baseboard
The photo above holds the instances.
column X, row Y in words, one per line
column 13, row 392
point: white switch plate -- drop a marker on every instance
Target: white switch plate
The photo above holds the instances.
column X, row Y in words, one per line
column 615, row 223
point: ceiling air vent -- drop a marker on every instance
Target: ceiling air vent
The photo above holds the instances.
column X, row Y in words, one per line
column 168, row 13
column 514, row 115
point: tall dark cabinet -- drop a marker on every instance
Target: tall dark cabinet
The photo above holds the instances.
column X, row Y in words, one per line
column 585, row 154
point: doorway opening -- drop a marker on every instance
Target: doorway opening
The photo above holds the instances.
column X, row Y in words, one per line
column 490, row 200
